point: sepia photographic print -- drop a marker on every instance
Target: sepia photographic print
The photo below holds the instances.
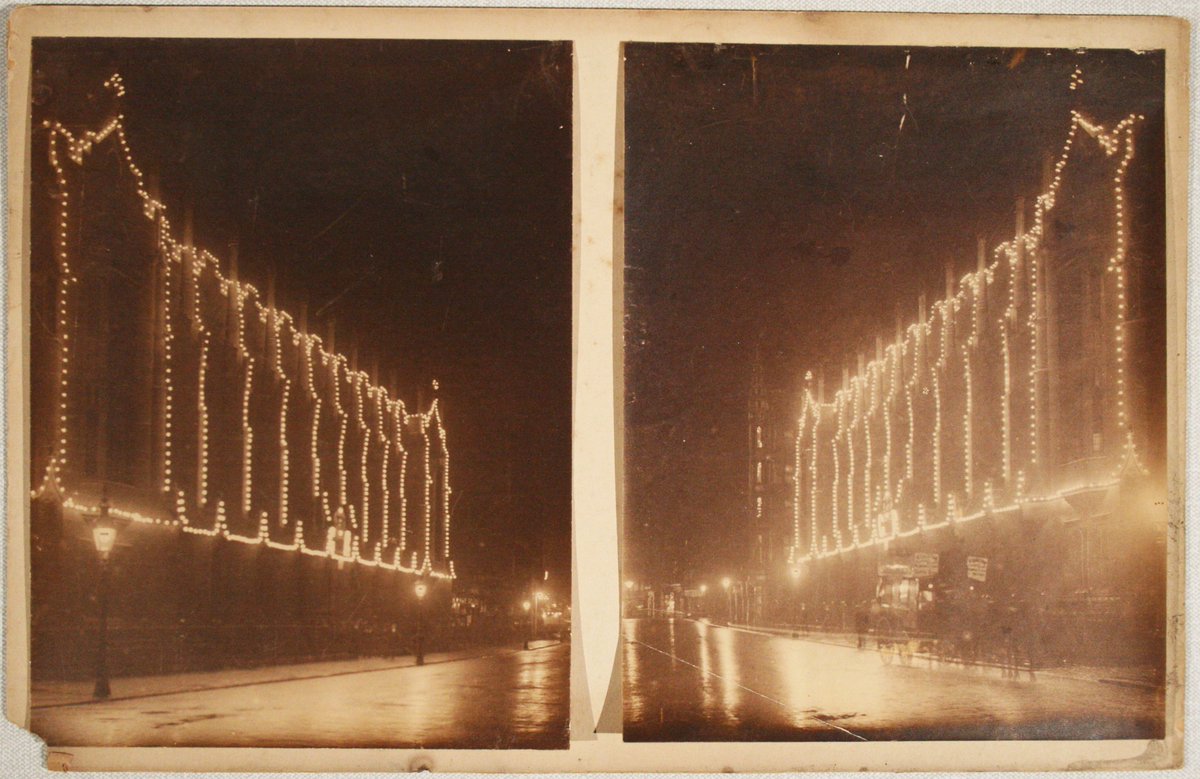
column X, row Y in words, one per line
column 494, row 390
column 895, row 393
column 299, row 375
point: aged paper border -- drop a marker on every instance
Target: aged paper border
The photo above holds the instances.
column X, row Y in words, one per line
column 598, row 395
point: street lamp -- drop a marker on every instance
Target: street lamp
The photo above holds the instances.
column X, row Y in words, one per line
column 538, row 597
column 725, row 583
column 421, row 589
column 703, row 588
column 104, row 536
column 629, row 584
column 528, row 610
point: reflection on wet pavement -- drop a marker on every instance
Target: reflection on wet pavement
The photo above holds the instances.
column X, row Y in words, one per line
column 693, row 681
column 502, row 700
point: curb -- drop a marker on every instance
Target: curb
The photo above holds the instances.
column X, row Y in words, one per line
column 1130, row 683
column 302, row 678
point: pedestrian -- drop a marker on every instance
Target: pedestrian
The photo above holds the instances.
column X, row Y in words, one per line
column 1004, row 615
column 1032, row 621
column 862, row 623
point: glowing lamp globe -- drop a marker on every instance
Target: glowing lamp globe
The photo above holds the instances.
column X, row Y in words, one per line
column 105, row 537
column 104, row 529
column 421, row 589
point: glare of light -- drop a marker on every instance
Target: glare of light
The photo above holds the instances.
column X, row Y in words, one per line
column 726, row 582
column 703, row 588
column 526, row 605
column 421, row 589
column 628, row 584
column 728, row 671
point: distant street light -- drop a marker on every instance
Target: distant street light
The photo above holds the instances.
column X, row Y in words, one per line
column 703, row 588
column 726, row 582
column 421, row 589
column 104, row 535
column 629, row 584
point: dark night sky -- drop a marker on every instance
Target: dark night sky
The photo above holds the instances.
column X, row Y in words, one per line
column 772, row 203
column 358, row 171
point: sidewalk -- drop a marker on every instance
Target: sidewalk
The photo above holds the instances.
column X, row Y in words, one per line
column 49, row 694
column 1126, row 676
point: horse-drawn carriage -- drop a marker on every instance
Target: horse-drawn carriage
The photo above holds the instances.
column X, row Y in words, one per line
column 916, row 613
column 896, row 613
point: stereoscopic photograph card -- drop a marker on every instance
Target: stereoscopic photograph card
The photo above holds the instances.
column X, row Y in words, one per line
column 572, row 390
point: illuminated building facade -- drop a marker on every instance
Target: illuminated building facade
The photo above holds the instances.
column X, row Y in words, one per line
column 1006, row 421
column 259, row 471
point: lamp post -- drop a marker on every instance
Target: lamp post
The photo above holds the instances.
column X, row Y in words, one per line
column 796, row 573
column 104, row 535
column 421, row 589
column 529, row 619
column 725, row 583
column 538, row 597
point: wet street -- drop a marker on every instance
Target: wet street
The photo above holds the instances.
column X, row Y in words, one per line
column 692, row 681
column 502, row 699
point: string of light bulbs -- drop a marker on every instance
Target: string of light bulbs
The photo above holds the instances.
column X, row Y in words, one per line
column 183, row 266
column 1015, row 263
